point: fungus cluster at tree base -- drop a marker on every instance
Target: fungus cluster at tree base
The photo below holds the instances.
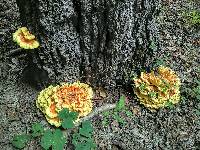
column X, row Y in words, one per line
column 76, row 97
column 157, row 88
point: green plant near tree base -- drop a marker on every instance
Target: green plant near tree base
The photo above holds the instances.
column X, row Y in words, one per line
column 83, row 139
column 55, row 139
column 67, row 118
column 192, row 17
column 120, row 107
column 20, row 141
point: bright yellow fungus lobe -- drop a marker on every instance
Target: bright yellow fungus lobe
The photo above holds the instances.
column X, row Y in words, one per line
column 155, row 90
column 76, row 97
column 25, row 39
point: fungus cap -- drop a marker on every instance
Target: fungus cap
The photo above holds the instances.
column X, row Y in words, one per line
column 154, row 91
column 25, row 39
column 76, row 97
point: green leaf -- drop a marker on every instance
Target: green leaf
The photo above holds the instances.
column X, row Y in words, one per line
column 118, row 118
column 187, row 90
column 74, row 115
column 82, row 143
column 56, row 140
column 106, row 114
column 83, row 140
column 84, row 132
column 75, row 138
column 115, row 113
column 20, row 141
column 37, row 130
column 88, row 145
column 86, row 129
column 121, row 103
column 128, row 113
column 79, row 147
column 83, row 146
column 64, row 113
column 67, row 123
column 46, row 139
column 105, row 122
column 124, row 123
column 67, row 118
column 87, row 125
column 183, row 99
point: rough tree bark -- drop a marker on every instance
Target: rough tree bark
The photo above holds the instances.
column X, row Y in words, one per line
column 98, row 41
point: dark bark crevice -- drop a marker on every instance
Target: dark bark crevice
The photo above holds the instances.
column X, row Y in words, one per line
column 77, row 19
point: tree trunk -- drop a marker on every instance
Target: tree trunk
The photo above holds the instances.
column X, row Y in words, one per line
column 95, row 41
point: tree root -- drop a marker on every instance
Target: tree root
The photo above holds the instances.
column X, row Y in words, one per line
column 95, row 112
column 92, row 114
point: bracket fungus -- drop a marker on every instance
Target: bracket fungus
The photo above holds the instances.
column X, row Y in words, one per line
column 25, row 39
column 156, row 89
column 76, row 97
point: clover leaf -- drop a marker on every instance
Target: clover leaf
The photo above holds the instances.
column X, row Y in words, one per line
column 37, row 130
column 20, row 141
column 67, row 118
column 83, row 140
column 56, row 140
column 46, row 139
column 86, row 129
column 74, row 115
column 85, row 145
column 63, row 113
column 67, row 123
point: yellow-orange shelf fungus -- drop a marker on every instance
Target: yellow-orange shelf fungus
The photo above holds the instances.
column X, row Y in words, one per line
column 76, row 97
column 45, row 102
column 25, row 39
column 154, row 91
